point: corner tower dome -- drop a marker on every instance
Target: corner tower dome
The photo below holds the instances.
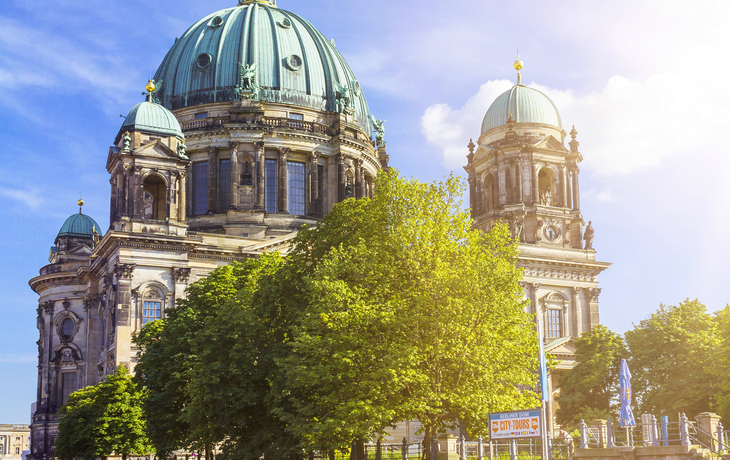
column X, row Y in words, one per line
column 294, row 63
column 79, row 225
column 152, row 118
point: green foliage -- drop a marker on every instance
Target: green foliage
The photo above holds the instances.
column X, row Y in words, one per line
column 720, row 367
column 590, row 390
column 671, row 356
column 103, row 419
column 390, row 309
column 409, row 314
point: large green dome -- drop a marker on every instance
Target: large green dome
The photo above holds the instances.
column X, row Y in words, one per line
column 295, row 63
column 525, row 105
column 153, row 118
column 79, row 225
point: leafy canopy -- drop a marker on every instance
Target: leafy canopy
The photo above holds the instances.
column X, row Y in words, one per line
column 103, row 419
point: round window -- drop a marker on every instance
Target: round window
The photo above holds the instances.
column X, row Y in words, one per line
column 216, row 22
column 285, row 23
column 203, row 61
column 67, row 328
column 293, row 62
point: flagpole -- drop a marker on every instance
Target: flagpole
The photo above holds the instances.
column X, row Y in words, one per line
column 544, row 395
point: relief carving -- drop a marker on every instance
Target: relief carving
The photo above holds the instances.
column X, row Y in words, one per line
column 181, row 275
column 124, row 271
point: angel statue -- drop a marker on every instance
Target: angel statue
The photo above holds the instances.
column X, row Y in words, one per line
column 379, row 126
column 342, row 93
column 247, row 88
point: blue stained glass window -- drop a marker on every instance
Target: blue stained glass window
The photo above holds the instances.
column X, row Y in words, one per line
column 270, row 175
column 295, row 187
column 151, row 311
column 224, row 185
column 200, row 188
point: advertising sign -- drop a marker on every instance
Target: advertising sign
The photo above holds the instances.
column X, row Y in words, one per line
column 515, row 424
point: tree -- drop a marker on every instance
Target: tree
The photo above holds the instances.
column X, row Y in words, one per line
column 103, row 419
column 590, row 390
column 405, row 312
column 720, row 366
column 203, row 367
column 671, row 352
column 390, row 309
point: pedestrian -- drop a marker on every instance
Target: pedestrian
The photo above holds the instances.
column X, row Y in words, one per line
column 568, row 440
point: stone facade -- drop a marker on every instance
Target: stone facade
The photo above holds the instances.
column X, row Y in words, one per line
column 522, row 175
column 14, row 441
column 97, row 293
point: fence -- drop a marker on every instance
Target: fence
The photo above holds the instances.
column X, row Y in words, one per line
column 653, row 432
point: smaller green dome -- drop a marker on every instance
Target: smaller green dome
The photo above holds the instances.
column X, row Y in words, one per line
column 525, row 105
column 79, row 225
column 154, row 118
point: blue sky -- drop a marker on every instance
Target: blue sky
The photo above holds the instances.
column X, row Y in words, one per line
column 643, row 82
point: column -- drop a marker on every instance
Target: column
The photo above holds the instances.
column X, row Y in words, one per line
column 127, row 194
column 260, row 176
column 212, row 182
column 518, row 178
column 568, row 189
column 189, row 189
column 341, row 177
column 313, row 185
column 124, row 307
column 472, row 196
column 533, row 298
column 576, row 190
column 563, row 186
column 535, row 191
column 169, row 195
column 182, row 203
column 283, row 185
column 234, row 174
column 358, row 178
column 137, row 192
column 113, row 210
column 567, row 323
column 577, row 313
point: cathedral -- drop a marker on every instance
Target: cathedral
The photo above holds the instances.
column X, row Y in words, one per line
column 253, row 126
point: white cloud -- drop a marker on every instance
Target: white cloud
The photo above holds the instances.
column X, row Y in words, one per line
column 29, row 198
column 625, row 127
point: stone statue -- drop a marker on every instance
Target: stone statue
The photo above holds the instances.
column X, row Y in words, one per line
column 147, row 206
column 348, row 188
column 247, row 88
column 246, row 176
column 517, row 230
column 342, row 93
column 181, row 149
column 588, row 236
column 379, row 126
column 127, row 140
column 95, row 235
column 546, row 198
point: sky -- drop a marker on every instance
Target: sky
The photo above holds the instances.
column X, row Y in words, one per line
column 643, row 82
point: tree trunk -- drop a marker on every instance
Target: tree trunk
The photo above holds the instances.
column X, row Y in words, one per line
column 208, row 452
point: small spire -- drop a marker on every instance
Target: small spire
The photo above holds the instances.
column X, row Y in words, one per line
column 518, row 65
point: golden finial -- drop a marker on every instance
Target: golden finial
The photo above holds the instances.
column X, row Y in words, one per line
column 150, row 85
column 518, row 65
column 80, row 203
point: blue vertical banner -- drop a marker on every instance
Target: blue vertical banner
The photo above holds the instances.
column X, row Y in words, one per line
column 626, row 415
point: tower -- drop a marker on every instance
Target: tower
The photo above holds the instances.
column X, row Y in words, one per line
column 521, row 174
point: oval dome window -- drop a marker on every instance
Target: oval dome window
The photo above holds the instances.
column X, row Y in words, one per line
column 204, row 61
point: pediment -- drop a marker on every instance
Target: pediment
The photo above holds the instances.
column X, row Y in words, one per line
column 482, row 152
column 550, row 143
column 113, row 153
column 80, row 250
column 562, row 346
column 156, row 149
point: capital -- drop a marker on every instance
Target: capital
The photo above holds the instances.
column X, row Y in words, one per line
column 124, row 271
column 233, row 146
column 259, row 145
column 314, row 156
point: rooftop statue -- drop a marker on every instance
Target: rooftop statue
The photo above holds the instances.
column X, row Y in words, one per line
column 342, row 93
column 247, row 88
column 379, row 126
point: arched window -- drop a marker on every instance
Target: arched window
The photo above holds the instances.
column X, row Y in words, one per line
column 547, row 187
column 154, row 205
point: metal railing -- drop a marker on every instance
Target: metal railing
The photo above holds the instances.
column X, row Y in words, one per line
column 273, row 122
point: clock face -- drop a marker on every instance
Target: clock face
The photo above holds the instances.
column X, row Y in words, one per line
column 552, row 233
